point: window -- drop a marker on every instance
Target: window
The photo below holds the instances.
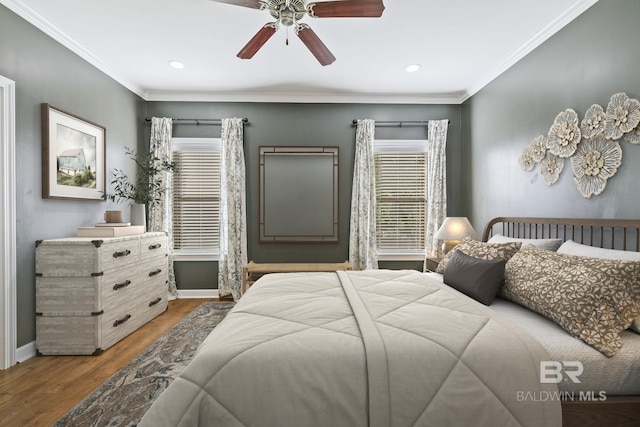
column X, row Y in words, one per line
column 195, row 195
column 401, row 198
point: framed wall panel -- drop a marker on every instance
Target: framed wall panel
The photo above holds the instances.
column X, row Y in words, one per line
column 299, row 194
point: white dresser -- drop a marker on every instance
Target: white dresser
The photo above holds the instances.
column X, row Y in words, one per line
column 92, row 292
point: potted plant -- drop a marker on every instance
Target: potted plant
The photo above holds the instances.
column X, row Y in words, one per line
column 147, row 187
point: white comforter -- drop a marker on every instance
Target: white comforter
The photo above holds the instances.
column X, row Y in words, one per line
column 371, row 348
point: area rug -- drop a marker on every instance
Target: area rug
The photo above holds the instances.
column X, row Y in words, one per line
column 125, row 397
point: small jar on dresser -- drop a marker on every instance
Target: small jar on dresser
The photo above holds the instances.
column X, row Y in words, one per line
column 92, row 292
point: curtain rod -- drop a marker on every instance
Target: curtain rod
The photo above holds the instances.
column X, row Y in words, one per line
column 198, row 122
column 401, row 123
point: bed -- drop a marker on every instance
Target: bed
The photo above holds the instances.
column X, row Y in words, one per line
column 382, row 348
column 618, row 376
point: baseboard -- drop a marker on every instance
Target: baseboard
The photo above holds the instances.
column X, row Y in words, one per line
column 26, row 352
column 197, row 293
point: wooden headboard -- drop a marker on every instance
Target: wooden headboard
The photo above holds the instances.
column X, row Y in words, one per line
column 623, row 234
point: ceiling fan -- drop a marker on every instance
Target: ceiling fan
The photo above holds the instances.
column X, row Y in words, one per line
column 289, row 12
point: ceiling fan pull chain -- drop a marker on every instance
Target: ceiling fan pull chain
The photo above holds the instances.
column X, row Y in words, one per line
column 286, row 42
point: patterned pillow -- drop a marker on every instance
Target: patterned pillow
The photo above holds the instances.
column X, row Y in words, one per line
column 592, row 299
column 572, row 248
column 481, row 250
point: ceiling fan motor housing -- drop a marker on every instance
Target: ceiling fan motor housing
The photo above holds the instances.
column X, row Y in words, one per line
column 288, row 12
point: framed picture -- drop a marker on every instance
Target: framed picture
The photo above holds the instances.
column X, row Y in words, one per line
column 73, row 156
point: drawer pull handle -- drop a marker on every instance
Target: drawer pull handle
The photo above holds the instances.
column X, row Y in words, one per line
column 154, row 272
column 155, row 301
column 156, row 246
column 121, row 321
column 123, row 253
column 121, row 285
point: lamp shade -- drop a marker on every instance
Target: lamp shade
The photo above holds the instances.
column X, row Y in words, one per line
column 456, row 228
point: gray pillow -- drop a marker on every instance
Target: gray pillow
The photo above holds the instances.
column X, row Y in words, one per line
column 477, row 278
column 548, row 244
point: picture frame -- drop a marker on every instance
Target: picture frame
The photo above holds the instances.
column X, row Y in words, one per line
column 73, row 156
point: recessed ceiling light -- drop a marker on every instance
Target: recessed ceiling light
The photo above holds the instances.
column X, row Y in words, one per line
column 176, row 64
column 413, row 68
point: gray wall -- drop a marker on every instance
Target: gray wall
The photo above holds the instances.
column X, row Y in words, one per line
column 310, row 125
column 46, row 72
column 585, row 63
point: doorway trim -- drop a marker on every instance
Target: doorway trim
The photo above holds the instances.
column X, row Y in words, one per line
column 8, row 267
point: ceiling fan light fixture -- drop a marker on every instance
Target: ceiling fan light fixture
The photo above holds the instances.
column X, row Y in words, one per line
column 287, row 17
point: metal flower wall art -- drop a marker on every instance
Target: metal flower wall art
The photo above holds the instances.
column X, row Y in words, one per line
column 623, row 115
column 591, row 145
column 564, row 135
column 595, row 161
column 551, row 168
column 593, row 122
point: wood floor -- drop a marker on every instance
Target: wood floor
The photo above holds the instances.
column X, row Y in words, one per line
column 42, row 389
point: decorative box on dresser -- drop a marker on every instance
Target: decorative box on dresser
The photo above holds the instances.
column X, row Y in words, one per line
column 92, row 292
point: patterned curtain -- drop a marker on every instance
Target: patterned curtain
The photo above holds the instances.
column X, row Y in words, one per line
column 436, row 182
column 363, row 248
column 160, row 214
column 233, row 217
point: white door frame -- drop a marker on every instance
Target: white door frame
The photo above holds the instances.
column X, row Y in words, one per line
column 8, row 265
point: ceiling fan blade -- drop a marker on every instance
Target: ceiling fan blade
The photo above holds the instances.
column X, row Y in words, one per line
column 258, row 41
column 315, row 45
column 346, row 9
column 253, row 4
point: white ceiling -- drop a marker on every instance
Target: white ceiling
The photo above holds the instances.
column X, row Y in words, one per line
column 461, row 44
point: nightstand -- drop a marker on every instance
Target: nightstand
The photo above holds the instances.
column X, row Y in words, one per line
column 431, row 263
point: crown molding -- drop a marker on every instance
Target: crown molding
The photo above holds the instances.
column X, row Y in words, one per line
column 303, row 98
column 571, row 13
column 61, row 37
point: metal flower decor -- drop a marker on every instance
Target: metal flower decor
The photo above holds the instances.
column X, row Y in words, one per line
column 525, row 160
column 564, row 135
column 551, row 168
column 623, row 115
column 593, row 122
column 538, row 148
column 595, row 161
column 633, row 137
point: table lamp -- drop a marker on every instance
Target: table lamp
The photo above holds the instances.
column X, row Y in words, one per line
column 453, row 230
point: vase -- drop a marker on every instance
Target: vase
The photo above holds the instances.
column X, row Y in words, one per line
column 139, row 215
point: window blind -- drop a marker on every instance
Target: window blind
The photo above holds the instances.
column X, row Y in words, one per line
column 196, row 201
column 401, row 199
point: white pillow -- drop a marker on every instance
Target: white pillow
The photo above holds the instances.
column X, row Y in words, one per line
column 572, row 248
column 548, row 244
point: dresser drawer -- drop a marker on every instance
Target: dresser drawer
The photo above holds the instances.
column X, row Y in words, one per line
column 76, row 335
column 84, row 256
column 153, row 247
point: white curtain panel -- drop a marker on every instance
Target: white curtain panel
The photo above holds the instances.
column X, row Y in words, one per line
column 233, row 215
column 363, row 247
column 160, row 214
column 436, row 182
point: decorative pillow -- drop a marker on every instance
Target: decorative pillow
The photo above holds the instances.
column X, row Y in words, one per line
column 572, row 248
column 548, row 244
column 481, row 250
column 592, row 299
column 478, row 278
